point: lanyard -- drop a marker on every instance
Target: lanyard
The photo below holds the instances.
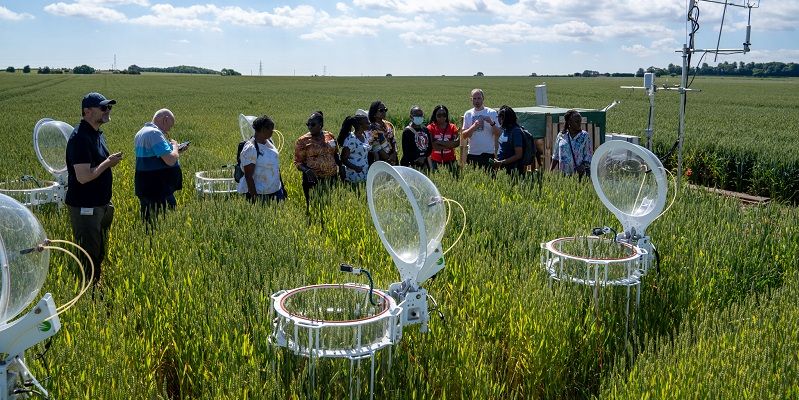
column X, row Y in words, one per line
column 574, row 157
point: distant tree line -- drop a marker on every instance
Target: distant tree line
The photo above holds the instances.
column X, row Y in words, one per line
column 769, row 69
column 132, row 70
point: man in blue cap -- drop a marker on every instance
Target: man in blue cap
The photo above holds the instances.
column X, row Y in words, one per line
column 89, row 166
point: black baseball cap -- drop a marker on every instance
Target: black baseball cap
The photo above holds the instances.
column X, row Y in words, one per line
column 95, row 99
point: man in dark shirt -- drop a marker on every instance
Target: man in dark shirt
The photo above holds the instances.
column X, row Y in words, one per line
column 89, row 166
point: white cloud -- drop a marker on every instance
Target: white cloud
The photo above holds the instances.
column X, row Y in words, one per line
column 783, row 55
column 342, row 7
column 775, row 16
column 85, row 10
column 182, row 41
column 421, row 6
column 424, row 39
column 8, row 15
column 143, row 3
column 659, row 46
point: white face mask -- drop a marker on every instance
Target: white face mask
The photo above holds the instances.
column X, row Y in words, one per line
column 418, row 120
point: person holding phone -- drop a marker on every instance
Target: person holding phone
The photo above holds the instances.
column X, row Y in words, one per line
column 89, row 181
column 158, row 174
column 481, row 130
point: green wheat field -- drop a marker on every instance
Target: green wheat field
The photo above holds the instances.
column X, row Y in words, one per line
column 186, row 312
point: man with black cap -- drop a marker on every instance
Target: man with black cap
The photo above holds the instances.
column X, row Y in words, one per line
column 89, row 166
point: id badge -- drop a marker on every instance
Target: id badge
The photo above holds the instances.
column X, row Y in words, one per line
column 86, row 211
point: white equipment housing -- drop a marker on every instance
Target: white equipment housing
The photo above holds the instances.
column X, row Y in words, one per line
column 337, row 320
column 50, row 143
column 631, row 182
column 23, row 269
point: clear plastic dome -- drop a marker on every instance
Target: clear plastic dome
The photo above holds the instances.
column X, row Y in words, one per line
column 245, row 126
column 630, row 180
column 23, row 272
column 50, row 143
column 408, row 212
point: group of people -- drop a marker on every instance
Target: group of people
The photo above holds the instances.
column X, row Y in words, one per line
column 494, row 142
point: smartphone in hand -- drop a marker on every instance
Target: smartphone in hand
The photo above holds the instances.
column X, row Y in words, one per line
column 183, row 145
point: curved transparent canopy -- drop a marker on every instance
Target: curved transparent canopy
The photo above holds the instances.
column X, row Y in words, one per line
column 23, row 272
column 631, row 182
column 245, row 126
column 409, row 214
column 50, row 143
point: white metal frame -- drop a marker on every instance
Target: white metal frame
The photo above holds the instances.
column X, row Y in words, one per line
column 50, row 191
column 17, row 336
column 207, row 186
column 405, row 302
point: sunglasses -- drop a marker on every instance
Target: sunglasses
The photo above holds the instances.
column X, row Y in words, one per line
column 311, row 124
column 382, row 110
column 104, row 108
column 441, row 115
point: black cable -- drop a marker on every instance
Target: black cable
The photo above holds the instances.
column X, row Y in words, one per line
column 351, row 269
column 657, row 259
column 371, row 287
column 41, row 356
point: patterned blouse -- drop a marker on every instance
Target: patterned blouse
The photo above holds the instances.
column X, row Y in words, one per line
column 359, row 157
column 566, row 148
column 318, row 156
column 381, row 136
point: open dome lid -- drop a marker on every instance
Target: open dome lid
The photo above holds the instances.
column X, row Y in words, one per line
column 50, row 143
column 409, row 215
column 245, row 126
column 631, row 182
column 22, row 272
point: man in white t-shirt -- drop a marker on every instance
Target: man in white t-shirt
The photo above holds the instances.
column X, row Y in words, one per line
column 481, row 130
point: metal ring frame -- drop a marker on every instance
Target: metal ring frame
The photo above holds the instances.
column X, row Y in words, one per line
column 346, row 338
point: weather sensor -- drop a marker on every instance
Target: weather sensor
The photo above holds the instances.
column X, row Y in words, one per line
column 632, row 183
column 220, row 181
column 24, row 263
column 353, row 320
column 50, row 144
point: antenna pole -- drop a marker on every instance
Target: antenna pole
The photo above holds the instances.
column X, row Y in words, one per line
column 681, row 129
column 721, row 27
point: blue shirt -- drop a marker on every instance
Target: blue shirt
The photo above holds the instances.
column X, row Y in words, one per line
column 508, row 142
column 150, row 144
column 154, row 179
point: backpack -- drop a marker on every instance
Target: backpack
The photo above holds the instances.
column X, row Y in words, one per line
column 528, row 147
column 238, row 172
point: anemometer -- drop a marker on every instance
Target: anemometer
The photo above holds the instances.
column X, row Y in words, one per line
column 687, row 51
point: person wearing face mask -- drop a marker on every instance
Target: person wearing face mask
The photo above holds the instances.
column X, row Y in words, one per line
column 316, row 156
column 416, row 142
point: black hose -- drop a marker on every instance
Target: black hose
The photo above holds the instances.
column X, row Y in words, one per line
column 371, row 287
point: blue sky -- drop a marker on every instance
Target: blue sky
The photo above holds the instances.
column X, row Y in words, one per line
column 376, row 37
